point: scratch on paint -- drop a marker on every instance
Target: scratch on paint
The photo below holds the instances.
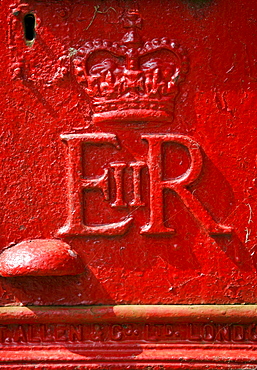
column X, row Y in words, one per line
column 248, row 230
column 187, row 281
column 97, row 11
column 247, row 235
column 250, row 213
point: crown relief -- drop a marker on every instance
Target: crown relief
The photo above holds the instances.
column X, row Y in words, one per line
column 131, row 80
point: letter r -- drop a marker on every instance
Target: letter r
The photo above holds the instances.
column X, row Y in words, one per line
column 178, row 184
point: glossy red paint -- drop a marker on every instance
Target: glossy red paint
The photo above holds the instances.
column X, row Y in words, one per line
column 40, row 257
column 213, row 107
column 128, row 177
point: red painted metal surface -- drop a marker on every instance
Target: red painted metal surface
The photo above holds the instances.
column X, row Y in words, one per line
column 40, row 257
column 163, row 248
column 128, row 177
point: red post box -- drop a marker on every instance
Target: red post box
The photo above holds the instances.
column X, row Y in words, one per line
column 128, row 181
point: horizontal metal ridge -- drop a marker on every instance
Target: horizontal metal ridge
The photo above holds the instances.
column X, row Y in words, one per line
column 128, row 313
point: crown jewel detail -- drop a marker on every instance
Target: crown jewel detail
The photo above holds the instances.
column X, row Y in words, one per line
column 131, row 80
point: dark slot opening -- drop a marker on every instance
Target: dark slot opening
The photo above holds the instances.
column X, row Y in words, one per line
column 29, row 27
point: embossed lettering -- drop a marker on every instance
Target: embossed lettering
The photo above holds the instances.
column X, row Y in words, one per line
column 75, row 333
column 97, row 332
column 116, row 332
column 137, row 167
column 121, row 332
column 118, row 176
column 223, row 333
column 194, row 332
column 169, row 330
column 253, row 332
column 179, row 185
column 153, row 332
column 34, row 334
column 47, row 333
column 20, row 334
column 209, row 332
column 61, row 333
column 238, row 333
column 77, row 184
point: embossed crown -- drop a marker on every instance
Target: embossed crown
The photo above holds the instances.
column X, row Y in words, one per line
column 131, row 80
